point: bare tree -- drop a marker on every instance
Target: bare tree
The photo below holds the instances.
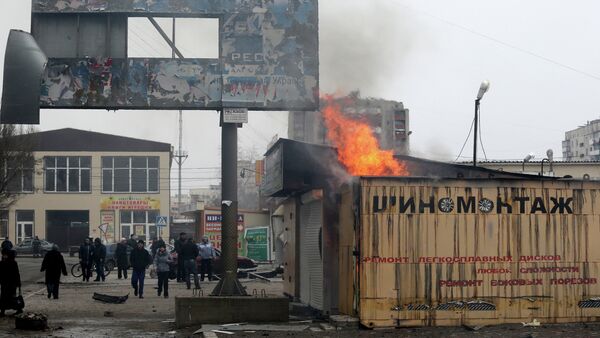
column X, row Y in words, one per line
column 17, row 162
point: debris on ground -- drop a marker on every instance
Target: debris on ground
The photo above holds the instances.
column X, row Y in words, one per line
column 110, row 299
column 473, row 328
column 252, row 327
column 223, row 332
column 533, row 323
column 31, row 321
column 327, row 327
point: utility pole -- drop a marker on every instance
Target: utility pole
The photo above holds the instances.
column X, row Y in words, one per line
column 180, row 157
column 180, row 154
column 229, row 285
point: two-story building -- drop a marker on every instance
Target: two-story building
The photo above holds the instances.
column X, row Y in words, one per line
column 91, row 184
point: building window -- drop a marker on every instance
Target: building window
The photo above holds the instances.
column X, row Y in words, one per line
column 67, row 174
column 3, row 224
column 141, row 223
column 19, row 177
column 25, row 225
column 130, row 174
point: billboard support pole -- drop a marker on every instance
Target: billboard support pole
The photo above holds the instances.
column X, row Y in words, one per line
column 229, row 285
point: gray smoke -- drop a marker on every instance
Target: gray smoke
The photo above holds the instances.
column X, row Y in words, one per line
column 361, row 44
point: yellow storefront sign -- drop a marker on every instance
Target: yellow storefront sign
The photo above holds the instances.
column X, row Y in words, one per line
column 129, row 203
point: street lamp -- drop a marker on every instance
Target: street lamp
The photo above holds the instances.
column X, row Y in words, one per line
column 485, row 85
column 549, row 159
column 527, row 158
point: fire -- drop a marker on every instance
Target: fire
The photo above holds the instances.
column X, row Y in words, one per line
column 358, row 149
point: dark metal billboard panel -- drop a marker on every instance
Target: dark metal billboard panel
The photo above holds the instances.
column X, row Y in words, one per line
column 24, row 64
column 131, row 83
column 269, row 49
column 140, row 6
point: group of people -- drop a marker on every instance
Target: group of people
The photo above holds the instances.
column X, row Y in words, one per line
column 139, row 259
column 90, row 255
column 188, row 254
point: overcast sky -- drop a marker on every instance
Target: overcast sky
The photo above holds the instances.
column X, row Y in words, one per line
column 541, row 57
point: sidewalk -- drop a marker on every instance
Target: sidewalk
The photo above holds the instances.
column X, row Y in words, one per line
column 76, row 314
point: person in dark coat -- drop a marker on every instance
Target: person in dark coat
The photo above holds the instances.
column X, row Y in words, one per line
column 180, row 266
column 122, row 260
column 6, row 244
column 54, row 265
column 140, row 259
column 132, row 242
column 99, row 256
column 189, row 252
column 86, row 259
column 156, row 244
column 36, row 246
column 10, row 280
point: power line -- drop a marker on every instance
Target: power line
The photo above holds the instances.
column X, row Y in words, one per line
column 500, row 42
column 466, row 140
column 146, row 42
column 481, row 137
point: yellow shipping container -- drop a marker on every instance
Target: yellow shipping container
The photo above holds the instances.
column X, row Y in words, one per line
column 469, row 251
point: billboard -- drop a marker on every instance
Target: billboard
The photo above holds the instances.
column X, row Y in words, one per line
column 257, row 243
column 212, row 229
column 268, row 56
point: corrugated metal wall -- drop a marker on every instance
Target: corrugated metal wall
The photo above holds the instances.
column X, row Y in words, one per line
column 450, row 252
column 311, row 260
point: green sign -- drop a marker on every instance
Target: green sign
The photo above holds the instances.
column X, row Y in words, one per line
column 257, row 243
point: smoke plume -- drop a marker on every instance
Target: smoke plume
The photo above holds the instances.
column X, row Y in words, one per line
column 362, row 43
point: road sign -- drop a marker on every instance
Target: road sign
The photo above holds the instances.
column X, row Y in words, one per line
column 235, row 115
column 103, row 227
column 161, row 221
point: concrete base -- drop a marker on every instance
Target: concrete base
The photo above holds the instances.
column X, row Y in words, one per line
column 344, row 321
column 222, row 310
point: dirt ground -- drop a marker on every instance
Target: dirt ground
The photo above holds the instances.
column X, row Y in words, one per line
column 76, row 314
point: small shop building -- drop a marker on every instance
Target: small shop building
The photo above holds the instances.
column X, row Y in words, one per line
column 450, row 245
column 89, row 184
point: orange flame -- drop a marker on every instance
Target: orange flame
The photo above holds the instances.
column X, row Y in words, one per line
column 358, row 149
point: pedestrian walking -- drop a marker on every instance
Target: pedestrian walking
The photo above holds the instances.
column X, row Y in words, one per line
column 156, row 243
column 140, row 259
column 36, row 245
column 189, row 253
column 99, row 256
column 10, row 280
column 6, row 244
column 53, row 264
column 132, row 242
column 154, row 246
column 180, row 265
column 122, row 258
column 162, row 262
column 207, row 255
column 86, row 259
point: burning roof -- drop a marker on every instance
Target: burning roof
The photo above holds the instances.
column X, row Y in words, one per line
column 357, row 148
column 296, row 167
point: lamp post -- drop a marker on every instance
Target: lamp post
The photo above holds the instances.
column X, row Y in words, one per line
column 549, row 159
column 485, row 85
column 527, row 158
